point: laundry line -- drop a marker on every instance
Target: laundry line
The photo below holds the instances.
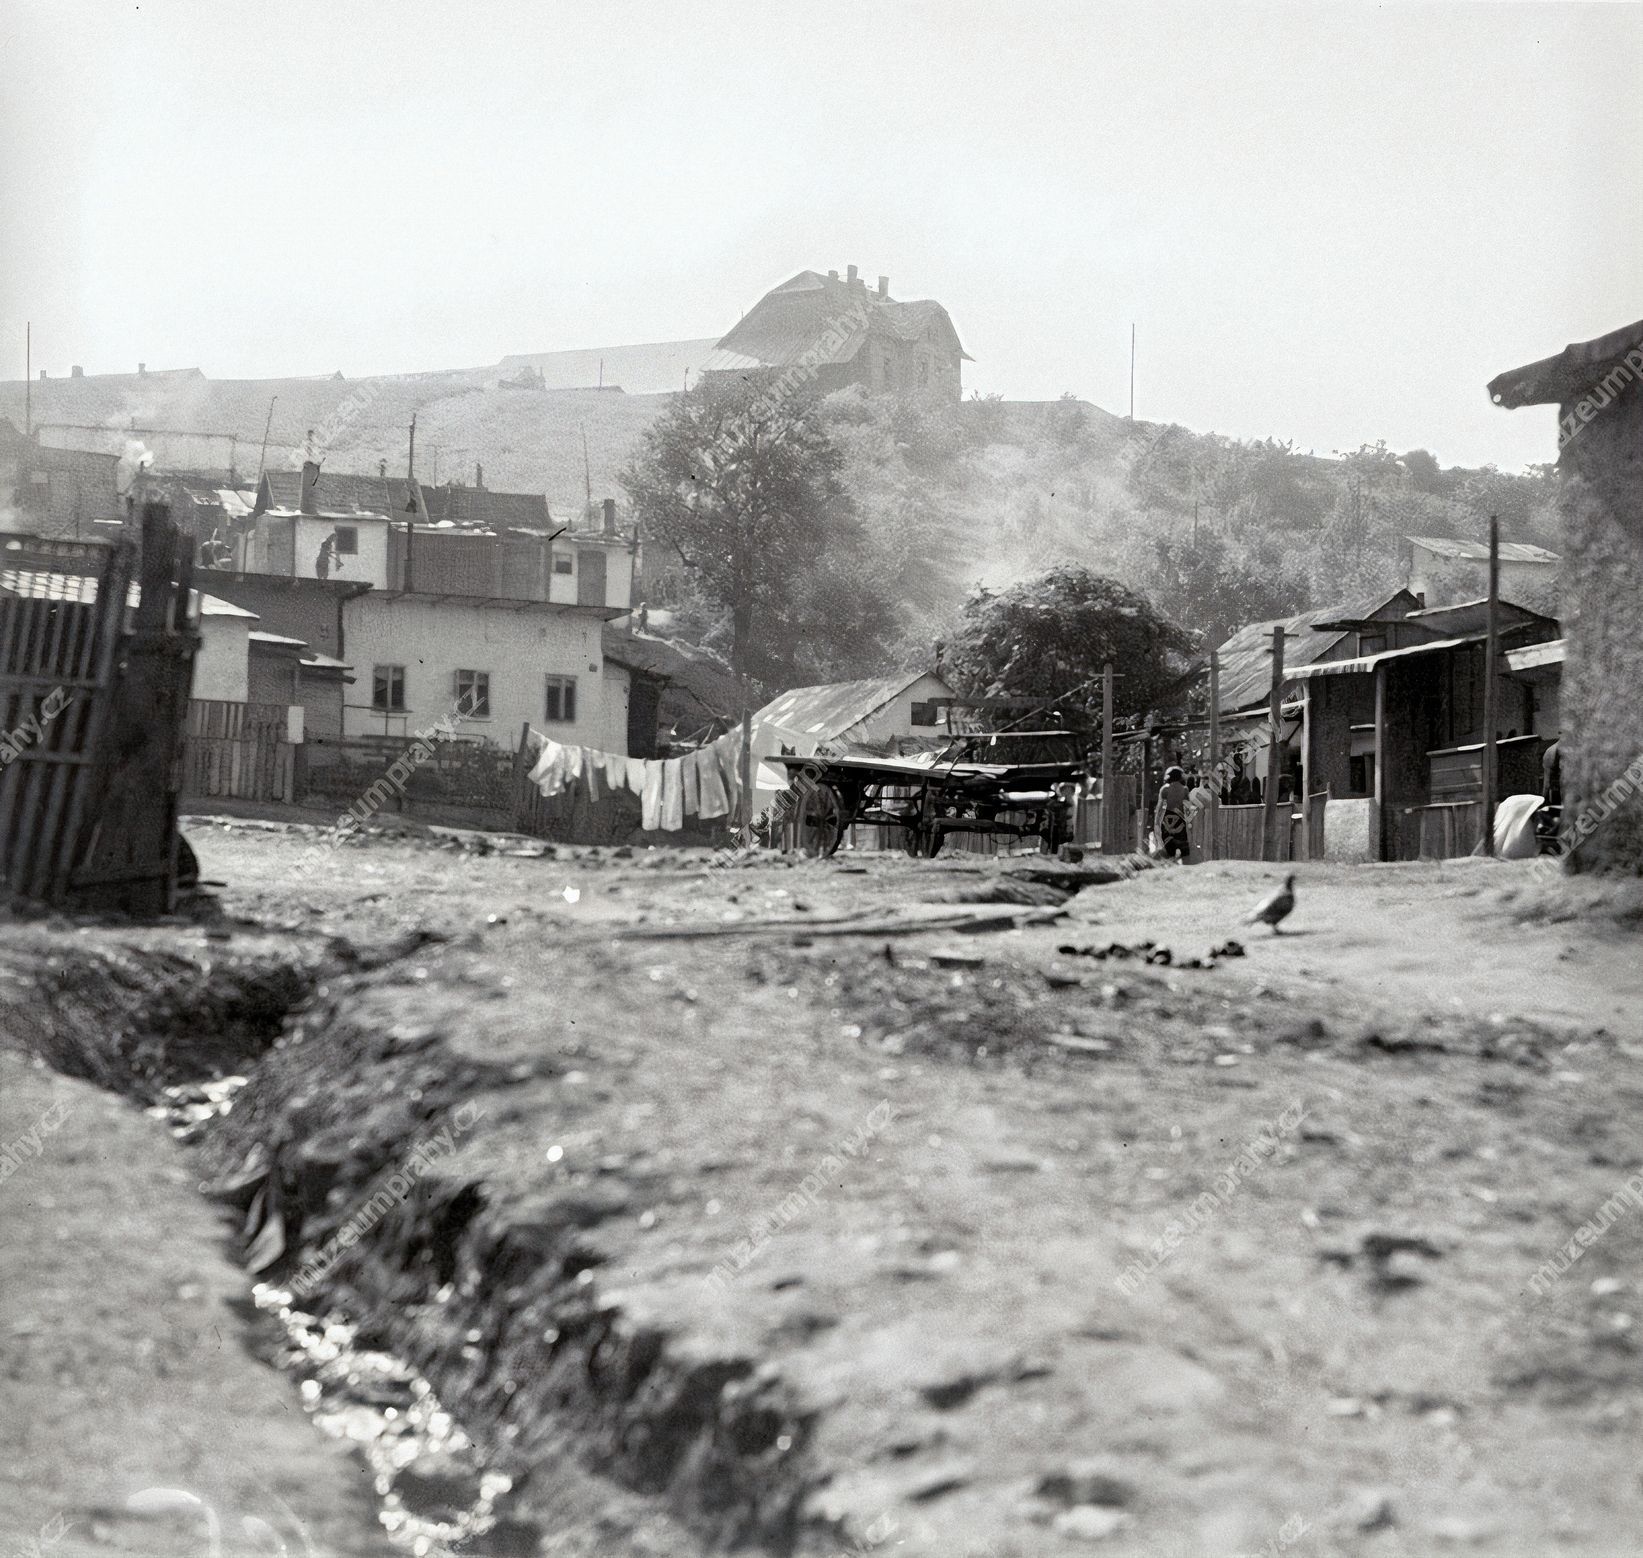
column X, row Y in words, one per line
column 705, row 783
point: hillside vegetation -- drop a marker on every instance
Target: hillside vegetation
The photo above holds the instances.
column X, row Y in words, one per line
column 1217, row 531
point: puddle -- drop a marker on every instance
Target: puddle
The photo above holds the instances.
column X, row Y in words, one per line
column 433, row 1496
column 392, row 1417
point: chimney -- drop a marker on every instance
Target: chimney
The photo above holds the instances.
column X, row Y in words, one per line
column 42, row 373
column 142, row 367
column 310, row 480
column 610, row 516
column 884, row 287
column 832, row 275
column 479, row 474
column 76, row 372
column 382, row 468
column 850, row 275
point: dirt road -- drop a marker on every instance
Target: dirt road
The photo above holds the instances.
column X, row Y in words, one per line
column 961, row 1244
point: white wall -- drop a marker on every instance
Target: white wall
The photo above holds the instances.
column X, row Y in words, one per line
column 222, row 667
column 618, row 571
column 519, row 648
column 369, row 566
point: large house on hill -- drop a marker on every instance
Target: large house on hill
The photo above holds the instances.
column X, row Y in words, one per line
column 842, row 333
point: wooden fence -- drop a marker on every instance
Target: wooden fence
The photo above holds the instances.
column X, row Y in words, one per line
column 396, row 773
column 238, row 750
column 93, row 711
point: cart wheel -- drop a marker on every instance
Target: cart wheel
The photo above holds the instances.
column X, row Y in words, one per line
column 819, row 825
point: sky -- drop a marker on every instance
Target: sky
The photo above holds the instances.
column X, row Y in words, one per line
column 1327, row 222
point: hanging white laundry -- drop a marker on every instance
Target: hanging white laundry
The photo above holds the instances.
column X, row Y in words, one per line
column 636, row 769
column 710, row 785
column 548, row 772
column 673, row 795
column 650, row 801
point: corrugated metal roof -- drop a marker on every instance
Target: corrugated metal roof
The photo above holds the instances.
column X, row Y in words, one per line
column 1246, row 659
column 1532, row 655
column 828, row 711
column 1573, row 371
column 1368, row 662
column 81, row 588
column 1478, row 551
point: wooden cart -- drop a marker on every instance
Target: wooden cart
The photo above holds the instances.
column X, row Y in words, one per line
column 928, row 796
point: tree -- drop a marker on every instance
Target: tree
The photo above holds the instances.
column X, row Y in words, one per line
column 740, row 479
column 1049, row 637
column 1201, row 584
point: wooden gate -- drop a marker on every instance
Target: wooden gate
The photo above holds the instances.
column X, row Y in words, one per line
column 93, row 721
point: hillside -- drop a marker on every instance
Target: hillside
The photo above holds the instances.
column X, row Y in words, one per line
column 527, row 440
column 1219, row 531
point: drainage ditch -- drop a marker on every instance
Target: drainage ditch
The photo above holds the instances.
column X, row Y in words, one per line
column 243, row 1051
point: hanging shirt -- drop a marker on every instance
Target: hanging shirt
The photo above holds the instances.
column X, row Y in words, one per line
column 650, row 801
column 712, row 801
column 673, row 795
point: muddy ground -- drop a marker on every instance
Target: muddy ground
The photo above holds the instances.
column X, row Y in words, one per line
column 727, row 1209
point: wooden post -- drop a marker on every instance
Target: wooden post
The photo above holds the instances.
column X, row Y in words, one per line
column 1306, row 771
column 1108, row 827
column 406, row 582
column 1491, row 689
column 1212, row 811
column 1380, row 848
column 1275, row 719
column 747, row 763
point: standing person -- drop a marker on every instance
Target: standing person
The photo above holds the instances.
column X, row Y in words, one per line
column 1170, row 816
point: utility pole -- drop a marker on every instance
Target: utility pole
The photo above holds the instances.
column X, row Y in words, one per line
column 1275, row 717
column 587, row 476
column 1107, row 826
column 407, row 583
column 28, row 378
column 1212, row 810
column 1491, row 689
column 262, row 459
column 1132, row 370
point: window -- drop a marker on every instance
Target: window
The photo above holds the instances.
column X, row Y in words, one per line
column 927, row 714
column 388, row 688
column 562, row 562
column 561, row 699
column 1371, row 643
column 347, row 540
column 473, row 694
column 1361, row 774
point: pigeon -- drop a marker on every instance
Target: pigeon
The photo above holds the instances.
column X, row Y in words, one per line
column 1274, row 907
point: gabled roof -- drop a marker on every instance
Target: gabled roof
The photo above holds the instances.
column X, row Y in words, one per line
column 828, row 711
column 1573, row 371
column 1246, row 659
column 1478, row 551
column 336, row 492
column 825, row 320
column 1468, row 616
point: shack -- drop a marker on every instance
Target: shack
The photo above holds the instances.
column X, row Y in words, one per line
column 1595, row 385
